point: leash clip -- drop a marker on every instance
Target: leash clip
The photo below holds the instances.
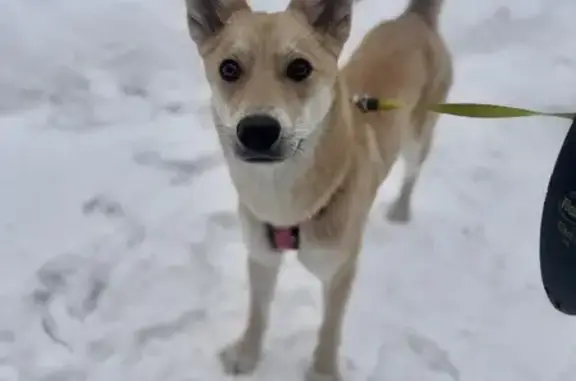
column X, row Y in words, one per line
column 366, row 103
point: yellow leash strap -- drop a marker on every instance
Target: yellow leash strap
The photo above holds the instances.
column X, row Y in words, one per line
column 470, row 110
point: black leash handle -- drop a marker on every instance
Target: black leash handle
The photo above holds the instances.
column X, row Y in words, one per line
column 558, row 230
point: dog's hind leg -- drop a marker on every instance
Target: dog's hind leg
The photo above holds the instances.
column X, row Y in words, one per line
column 242, row 356
column 415, row 148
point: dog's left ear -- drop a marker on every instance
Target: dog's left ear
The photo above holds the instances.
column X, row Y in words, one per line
column 328, row 17
column 208, row 17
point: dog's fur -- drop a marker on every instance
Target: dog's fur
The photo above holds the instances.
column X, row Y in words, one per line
column 335, row 157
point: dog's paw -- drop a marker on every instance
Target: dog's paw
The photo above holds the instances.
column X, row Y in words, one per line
column 399, row 213
column 239, row 359
column 313, row 375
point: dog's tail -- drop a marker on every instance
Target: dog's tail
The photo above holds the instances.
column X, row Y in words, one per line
column 428, row 10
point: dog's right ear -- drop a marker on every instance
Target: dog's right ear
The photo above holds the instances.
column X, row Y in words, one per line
column 207, row 17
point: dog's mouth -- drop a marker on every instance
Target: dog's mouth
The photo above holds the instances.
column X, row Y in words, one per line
column 270, row 156
column 276, row 154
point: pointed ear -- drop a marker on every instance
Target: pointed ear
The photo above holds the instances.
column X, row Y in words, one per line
column 328, row 17
column 207, row 18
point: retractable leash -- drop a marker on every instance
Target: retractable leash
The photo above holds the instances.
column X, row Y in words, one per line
column 558, row 225
column 470, row 110
column 558, row 229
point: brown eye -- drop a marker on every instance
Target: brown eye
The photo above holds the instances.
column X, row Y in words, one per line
column 230, row 70
column 298, row 70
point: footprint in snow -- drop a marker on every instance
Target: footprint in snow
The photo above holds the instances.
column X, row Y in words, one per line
column 184, row 171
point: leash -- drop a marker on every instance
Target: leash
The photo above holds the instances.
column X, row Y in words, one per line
column 558, row 229
column 470, row 110
column 558, row 221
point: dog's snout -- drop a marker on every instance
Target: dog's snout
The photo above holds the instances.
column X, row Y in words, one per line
column 258, row 133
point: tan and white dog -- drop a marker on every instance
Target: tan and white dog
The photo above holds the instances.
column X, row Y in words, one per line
column 306, row 163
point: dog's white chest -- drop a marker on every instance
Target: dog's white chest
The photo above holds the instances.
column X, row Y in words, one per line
column 267, row 192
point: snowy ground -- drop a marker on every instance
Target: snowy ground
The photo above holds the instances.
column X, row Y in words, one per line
column 120, row 255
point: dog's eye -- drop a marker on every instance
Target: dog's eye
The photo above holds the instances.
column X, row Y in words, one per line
column 230, row 70
column 298, row 70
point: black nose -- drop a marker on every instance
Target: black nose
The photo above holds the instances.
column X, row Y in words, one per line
column 258, row 133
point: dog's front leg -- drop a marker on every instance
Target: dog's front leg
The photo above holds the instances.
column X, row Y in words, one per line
column 242, row 355
column 336, row 269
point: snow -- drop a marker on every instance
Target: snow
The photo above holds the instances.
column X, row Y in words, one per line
column 120, row 252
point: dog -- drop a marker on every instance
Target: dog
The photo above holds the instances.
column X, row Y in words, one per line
column 305, row 161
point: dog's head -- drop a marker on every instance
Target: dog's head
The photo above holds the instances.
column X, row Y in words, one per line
column 272, row 75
